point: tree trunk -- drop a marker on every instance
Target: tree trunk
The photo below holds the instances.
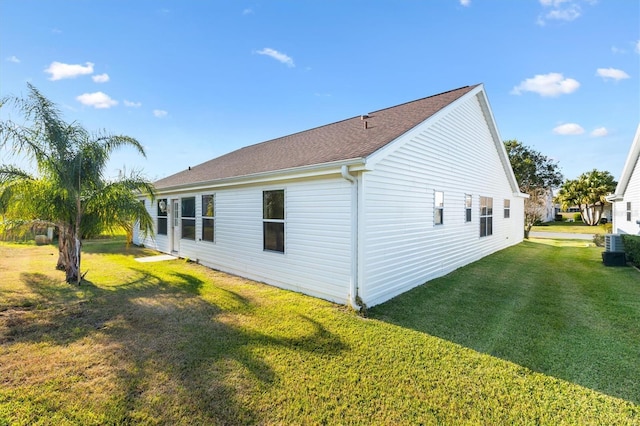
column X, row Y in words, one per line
column 70, row 254
column 61, row 265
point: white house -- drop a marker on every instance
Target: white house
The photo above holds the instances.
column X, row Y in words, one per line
column 354, row 212
column 626, row 199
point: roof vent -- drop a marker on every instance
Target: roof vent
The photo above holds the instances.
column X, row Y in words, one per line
column 364, row 117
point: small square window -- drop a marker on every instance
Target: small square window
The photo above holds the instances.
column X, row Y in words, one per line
column 438, row 212
column 467, row 208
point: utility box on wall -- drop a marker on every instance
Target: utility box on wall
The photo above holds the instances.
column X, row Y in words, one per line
column 614, row 258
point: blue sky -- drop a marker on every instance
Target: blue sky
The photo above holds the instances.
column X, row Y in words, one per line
column 192, row 80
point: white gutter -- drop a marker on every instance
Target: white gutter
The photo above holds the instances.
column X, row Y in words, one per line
column 270, row 176
column 353, row 283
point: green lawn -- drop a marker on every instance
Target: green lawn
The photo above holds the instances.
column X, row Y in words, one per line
column 499, row 342
column 571, row 227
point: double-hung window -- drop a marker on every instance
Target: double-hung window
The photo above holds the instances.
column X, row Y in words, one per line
column 273, row 220
column 507, row 209
column 438, row 211
column 486, row 216
column 628, row 211
column 467, row 207
column 188, row 214
column 162, row 216
column 208, row 218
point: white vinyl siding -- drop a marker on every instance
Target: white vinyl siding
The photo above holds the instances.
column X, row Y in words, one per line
column 317, row 260
column 620, row 210
column 400, row 246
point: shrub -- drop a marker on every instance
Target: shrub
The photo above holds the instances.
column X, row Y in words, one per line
column 632, row 248
column 577, row 217
column 598, row 240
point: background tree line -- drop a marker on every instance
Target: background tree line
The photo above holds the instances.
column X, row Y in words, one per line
column 538, row 176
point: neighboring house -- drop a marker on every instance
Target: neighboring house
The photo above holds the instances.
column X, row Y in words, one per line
column 354, row 212
column 550, row 208
column 626, row 199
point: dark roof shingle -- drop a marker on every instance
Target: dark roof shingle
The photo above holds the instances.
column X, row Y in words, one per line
column 343, row 140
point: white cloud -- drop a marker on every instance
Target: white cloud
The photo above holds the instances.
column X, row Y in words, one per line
column 160, row 113
column 552, row 84
column 247, row 11
column 465, row 2
column 13, row 59
column 599, row 132
column 278, row 56
column 568, row 129
column 554, row 3
column 570, row 13
column 100, row 78
column 615, row 50
column 97, row 100
column 611, row 73
column 132, row 104
column 560, row 10
column 58, row 70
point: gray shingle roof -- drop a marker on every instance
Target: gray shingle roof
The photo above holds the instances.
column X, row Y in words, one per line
column 343, row 140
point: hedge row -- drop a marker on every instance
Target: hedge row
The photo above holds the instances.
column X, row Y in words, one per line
column 632, row 248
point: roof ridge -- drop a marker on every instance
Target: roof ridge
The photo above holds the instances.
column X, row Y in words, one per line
column 355, row 117
column 422, row 99
column 326, row 143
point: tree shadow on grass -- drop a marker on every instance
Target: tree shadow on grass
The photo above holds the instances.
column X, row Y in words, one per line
column 587, row 335
column 174, row 351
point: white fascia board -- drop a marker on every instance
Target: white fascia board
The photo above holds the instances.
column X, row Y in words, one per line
column 374, row 158
column 478, row 91
column 497, row 140
column 629, row 165
column 315, row 170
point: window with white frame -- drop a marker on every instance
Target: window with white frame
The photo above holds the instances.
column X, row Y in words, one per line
column 438, row 210
column 486, row 216
column 628, row 211
column 507, row 209
column 188, row 214
column 273, row 215
column 208, row 218
column 162, row 216
column 467, row 207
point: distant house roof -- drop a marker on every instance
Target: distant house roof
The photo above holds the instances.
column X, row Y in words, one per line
column 353, row 138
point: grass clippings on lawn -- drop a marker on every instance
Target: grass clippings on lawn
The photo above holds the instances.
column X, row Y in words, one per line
column 176, row 343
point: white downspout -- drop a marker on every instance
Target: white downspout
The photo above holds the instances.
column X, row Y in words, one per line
column 353, row 283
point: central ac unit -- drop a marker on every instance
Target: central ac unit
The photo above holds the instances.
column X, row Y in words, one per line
column 613, row 242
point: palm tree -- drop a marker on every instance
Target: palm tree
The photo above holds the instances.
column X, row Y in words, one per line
column 68, row 189
column 588, row 192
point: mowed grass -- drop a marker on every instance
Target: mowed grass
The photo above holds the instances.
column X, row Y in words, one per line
column 550, row 306
column 176, row 343
column 570, row 227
